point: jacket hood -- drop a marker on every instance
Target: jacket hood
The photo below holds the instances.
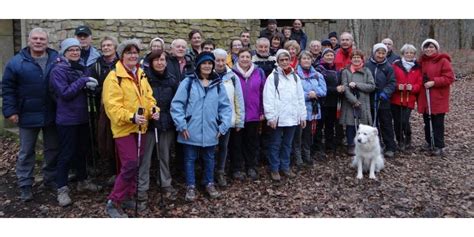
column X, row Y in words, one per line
column 378, row 63
column 437, row 57
column 25, row 53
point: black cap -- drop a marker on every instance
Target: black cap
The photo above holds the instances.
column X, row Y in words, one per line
column 332, row 34
column 326, row 42
column 83, row 30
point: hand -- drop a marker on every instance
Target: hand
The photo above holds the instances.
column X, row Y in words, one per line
column 218, row 135
column 383, row 96
column 303, row 123
column 357, row 104
column 13, row 118
column 238, row 129
column 312, row 94
column 409, row 87
column 429, row 84
column 156, row 113
column 92, row 83
column 340, row 88
column 185, row 134
column 352, row 85
column 272, row 124
column 262, row 117
column 139, row 119
column 401, row 87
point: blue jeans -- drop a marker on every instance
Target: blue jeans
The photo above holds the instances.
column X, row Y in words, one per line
column 281, row 140
column 191, row 153
column 26, row 156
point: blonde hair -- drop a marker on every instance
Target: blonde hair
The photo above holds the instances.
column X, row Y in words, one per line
column 292, row 43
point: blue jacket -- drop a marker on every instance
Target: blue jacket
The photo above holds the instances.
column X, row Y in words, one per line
column 25, row 90
column 203, row 112
column 68, row 85
column 93, row 56
column 313, row 82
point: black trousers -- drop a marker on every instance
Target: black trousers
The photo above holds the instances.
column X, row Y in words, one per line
column 244, row 147
column 401, row 124
column 438, row 129
column 385, row 126
column 333, row 131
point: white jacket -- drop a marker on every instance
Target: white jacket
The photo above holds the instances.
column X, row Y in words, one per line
column 285, row 105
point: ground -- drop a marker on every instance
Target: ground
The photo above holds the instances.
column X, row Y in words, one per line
column 411, row 185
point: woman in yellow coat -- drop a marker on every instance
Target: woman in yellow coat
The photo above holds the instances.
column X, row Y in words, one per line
column 126, row 89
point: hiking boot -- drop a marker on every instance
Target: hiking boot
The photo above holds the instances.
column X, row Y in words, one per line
column 130, row 204
column 212, row 191
column 142, row 195
column 239, row 176
column 114, row 211
column 389, row 154
column 26, row 194
column 221, row 181
column 252, row 173
column 426, row 147
column 275, row 176
column 51, row 186
column 437, row 152
column 288, row 174
column 190, row 194
column 169, row 192
column 86, row 185
column 63, row 196
column 351, row 150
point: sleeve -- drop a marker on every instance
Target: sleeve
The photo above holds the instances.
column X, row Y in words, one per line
column 262, row 86
column 447, row 75
column 63, row 89
column 224, row 110
column 151, row 101
column 178, row 105
column 301, row 103
column 417, row 84
column 239, row 104
column 391, row 84
column 270, row 99
column 369, row 85
column 347, row 91
column 9, row 91
column 112, row 97
column 321, row 89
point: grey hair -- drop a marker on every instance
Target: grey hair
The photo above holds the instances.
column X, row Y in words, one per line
column 111, row 38
column 135, row 42
column 220, row 52
column 174, row 42
column 387, row 39
column 38, row 30
column 349, row 34
column 315, row 42
column 262, row 40
column 305, row 53
column 407, row 47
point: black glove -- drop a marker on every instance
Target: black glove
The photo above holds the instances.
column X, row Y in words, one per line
column 425, row 78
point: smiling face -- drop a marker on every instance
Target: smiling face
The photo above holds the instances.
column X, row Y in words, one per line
column 263, row 48
column 236, row 46
column 356, row 60
column 206, row 69
column 284, row 61
column 305, row 61
column 178, row 48
column 220, row 63
column 107, row 47
column 276, row 42
column 346, row 40
column 159, row 64
column 73, row 53
column 297, row 24
column 429, row 49
column 130, row 57
column 409, row 55
column 380, row 55
column 196, row 40
column 38, row 42
column 245, row 38
column 245, row 60
column 328, row 58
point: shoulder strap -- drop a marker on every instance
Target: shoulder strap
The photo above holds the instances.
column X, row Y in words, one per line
column 276, row 81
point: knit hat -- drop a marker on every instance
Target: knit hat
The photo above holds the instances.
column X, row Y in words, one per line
column 326, row 42
column 203, row 57
column 158, row 39
column 332, row 34
column 68, row 43
column 124, row 44
column 379, row 46
column 430, row 41
column 328, row 50
column 282, row 51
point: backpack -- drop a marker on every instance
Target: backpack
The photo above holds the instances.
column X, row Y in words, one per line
column 190, row 83
column 276, row 80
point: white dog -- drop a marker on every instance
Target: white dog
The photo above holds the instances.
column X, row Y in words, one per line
column 368, row 152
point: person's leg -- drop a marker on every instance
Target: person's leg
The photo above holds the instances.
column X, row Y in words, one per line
column 407, row 128
column 296, row 147
column 386, row 125
column 306, row 144
column 167, row 138
column 238, row 146
column 51, row 151
column 26, row 156
column 251, row 149
column 285, row 151
column 396, row 113
column 426, row 121
column 329, row 126
column 208, row 157
column 82, row 147
column 145, row 162
column 438, row 130
column 222, row 155
column 68, row 140
column 190, row 156
column 274, row 151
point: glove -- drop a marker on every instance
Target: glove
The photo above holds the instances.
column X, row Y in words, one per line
column 401, row 87
column 92, row 83
column 425, row 78
column 383, row 96
column 409, row 87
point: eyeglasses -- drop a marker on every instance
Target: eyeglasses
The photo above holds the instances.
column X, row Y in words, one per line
column 73, row 50
column 131, row 53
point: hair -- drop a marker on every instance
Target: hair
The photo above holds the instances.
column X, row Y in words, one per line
column 232, row 41
column 207, row 42
column 155, row 55
column 243, row 50
column 293, row 43
column 387, row 39
column 38, row 30
column 111, row 38
column 262, row 40
column 285, row 28
column 194, row 31
column 349, row 34
column 175, row 41
column 305, row 53
column 315, row 42
column 220, row 52
column 407, row 47
column 357, row 52
column 275, row 36
column 244, row 31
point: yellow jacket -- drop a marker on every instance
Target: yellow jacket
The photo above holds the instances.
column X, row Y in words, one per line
column 122, row 100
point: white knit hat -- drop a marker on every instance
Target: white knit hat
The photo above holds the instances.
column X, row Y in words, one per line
column 282, row 51
column 430, row 41
column 379, row 46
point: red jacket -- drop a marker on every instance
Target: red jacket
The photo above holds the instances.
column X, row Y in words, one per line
column 438, row 69
column 413, row 77
column 343, row 58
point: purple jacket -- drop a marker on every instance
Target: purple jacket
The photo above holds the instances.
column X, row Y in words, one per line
column 252, row 89
column 68, row 87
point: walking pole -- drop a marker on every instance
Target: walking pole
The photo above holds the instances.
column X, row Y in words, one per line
column 92, row 132
column 401, row 117
column 162, row 202
column 140, row 112
column 408, row 117
column 428, row 100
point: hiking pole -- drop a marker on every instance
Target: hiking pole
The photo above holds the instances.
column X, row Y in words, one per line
column 155, row 122
column 92, row 132
column 407, row 118
column 428, row 100
column 139, row 112
column 376, row 110
column 401, row 117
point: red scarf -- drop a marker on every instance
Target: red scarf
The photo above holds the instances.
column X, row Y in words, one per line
column 355, row 68
column 294, row 62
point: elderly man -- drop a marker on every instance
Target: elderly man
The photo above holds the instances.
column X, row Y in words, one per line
column 343, row 54
column 89, row 54
column 315, row 49
column 28, row 103
column 391, row 56
column 262, row 57
column 180, row 63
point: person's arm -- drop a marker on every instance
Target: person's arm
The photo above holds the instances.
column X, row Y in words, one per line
column 178, row 106
column 112, row 97
column 269, row 99
column 239, row 104
column 447, row 75
column 63, row 89
column 10, row 92
column 321, row 89
column 224, row 110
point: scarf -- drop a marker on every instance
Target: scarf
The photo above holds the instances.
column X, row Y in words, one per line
column 355, row 68
column 247, row 74
column 407, row 65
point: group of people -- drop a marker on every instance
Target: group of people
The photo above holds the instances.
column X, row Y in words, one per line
column 275, row 102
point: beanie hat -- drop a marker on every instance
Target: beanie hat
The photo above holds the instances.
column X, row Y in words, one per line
column 124, row 44
column 282, row 51
column 68, row 43
column 203, row 57
column 332, row 34
column 430, row 41
column 379, row 46
column 326, row 42
column 158, row 39
column 327, row 50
